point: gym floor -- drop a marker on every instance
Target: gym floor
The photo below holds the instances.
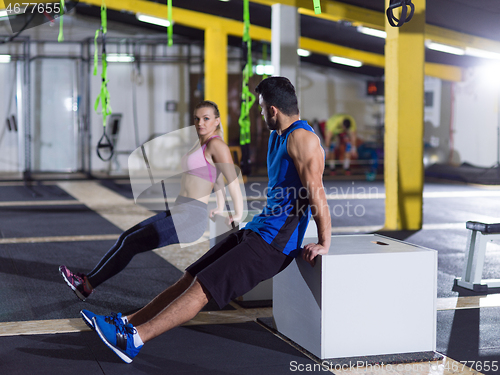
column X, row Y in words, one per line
column 49, row 223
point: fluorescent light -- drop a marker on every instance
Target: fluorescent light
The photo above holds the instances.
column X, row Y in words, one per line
column 372, row 32
column 5, row 58
column 489, row 74
column 3, row 13
column 225, row 1
column 444, row 48
column 68, row 103
column 153, row 20
column 119, row 57
column 264, row 69
column 482, row 53
column 344, row 61
column 303, row 52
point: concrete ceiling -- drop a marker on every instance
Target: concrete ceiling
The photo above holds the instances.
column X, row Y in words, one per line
column 475, row 17
column 478, row 18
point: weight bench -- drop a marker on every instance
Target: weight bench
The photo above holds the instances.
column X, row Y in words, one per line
column 478, row 237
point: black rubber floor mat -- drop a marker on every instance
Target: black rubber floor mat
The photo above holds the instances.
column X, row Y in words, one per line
column 239, row 349
column 46, row 221
column 33, row 193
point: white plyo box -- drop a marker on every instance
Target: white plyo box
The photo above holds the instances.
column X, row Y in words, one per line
column 370, row 295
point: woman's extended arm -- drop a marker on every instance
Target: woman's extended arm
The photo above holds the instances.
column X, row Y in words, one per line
column 220, row 195
column 221, row 156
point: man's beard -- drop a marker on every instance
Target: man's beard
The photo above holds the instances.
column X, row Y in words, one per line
column 271, row 123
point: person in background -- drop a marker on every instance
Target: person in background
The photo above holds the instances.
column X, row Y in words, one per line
column 340, row 134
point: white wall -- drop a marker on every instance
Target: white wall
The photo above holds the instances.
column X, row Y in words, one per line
column 9, row 161
column 162, row 82
column 432, row 114
column 325, row 92
column 158, row 84
column 475, row 117
column 437, row 115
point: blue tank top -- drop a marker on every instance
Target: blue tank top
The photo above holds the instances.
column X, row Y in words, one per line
column 283, row 222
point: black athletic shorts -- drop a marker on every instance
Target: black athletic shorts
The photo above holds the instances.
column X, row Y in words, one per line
column 237, row 264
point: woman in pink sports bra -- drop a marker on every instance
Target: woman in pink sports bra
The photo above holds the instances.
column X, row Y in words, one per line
column 190, row 211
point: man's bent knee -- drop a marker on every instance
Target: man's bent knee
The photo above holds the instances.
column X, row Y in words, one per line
column 205, row 290
column 187, row 277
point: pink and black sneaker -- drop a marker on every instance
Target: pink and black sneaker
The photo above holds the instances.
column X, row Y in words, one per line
column 77, row 282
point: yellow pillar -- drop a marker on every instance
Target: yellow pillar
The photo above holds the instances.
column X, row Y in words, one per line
column 216, row 70
column 404, row 122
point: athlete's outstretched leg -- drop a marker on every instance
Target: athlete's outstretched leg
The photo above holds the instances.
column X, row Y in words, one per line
column 161, row 301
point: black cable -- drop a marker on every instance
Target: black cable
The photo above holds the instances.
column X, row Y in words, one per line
column 136, row 71
column 11, row 38
column 13, row 122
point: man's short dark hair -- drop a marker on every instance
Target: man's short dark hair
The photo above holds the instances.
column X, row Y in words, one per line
column 280, row 93
column 347, row 123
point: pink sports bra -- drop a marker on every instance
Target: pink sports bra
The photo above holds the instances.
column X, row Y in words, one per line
column 197, row 165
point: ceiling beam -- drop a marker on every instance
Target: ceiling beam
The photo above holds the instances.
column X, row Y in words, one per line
column 441, row 71
column 324, row 48
column 336, row 11
column 232, row 27
column 331, row 10
column 183, row 17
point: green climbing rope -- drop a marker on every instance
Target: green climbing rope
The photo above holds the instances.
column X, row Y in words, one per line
column 317, row 6
column 247, row 98
column 170, row 23
column 104, row 96
column 104, row 17
column 60, row 38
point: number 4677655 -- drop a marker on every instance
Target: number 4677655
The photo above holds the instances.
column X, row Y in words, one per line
column 481, row 365
column 17, row 8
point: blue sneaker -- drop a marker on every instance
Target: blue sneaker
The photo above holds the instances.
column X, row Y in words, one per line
column 118, row 337
column 87, row 317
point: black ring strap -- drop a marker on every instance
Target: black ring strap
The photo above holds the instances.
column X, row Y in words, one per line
column 405, row 17
column 105, row 143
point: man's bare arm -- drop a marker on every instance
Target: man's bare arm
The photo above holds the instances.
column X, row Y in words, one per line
column 307, row 154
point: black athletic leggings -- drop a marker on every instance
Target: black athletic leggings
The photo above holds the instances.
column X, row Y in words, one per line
column 185, row 222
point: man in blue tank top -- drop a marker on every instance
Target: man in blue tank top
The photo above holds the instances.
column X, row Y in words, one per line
column 265, row 247
column 295, row 164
